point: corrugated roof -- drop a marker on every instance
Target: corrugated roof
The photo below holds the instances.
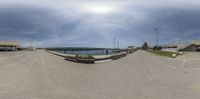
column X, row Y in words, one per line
column 9, row 43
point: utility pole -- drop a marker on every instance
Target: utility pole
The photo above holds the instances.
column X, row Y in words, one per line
column 32, row 39
column 114, row 42
column 31, row 42
column 117, row 44
column 156, row 29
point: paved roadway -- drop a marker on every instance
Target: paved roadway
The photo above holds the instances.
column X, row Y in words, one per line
column 41, row 75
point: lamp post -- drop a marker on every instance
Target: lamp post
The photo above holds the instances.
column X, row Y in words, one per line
column 31, row 42
column 114, row 42
column 117, row 44
column 156, row 29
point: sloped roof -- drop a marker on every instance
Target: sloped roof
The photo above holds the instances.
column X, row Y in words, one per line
column 196, row 42
column 9, row 43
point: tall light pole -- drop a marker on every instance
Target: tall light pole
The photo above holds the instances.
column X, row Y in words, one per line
column 117, row 44
column 156, row 29
column 31, row 42
column 32, row 32
column 114, row 42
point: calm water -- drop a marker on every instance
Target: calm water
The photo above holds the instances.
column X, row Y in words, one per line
column 90, row 52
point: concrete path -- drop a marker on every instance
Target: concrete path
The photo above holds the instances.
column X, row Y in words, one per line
column 41, row 75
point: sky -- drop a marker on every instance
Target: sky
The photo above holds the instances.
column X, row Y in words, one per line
column 94, row 23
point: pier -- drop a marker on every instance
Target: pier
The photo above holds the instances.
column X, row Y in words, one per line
column 139, row 75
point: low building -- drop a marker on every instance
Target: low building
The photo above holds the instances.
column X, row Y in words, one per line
column 9, row 46
column 131, row 49
column 194, row 46
column 31, row 48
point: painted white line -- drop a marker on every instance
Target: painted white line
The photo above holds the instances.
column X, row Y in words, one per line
column 193, row 59
column 3, row 58
column 183, row 64
column 196, row 69
column 174, row 67
column 161, row 62
column 170, row 66
column 20, row 83
column 18, row 62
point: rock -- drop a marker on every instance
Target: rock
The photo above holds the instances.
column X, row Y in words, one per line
column 174, row 55
column 181, row 53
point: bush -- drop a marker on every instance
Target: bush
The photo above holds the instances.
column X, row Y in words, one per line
column 164, row 53
column 145, row 46
column 155, row 48
column 117, row 56
column 81, row 57
column 86, row 57
column 69, row 57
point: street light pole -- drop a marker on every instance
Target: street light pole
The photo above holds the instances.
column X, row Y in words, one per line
column 114, row 42
column 31, row 42
column 156, row 29
column 117, row 44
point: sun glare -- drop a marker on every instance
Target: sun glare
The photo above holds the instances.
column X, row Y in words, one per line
column 99, row 9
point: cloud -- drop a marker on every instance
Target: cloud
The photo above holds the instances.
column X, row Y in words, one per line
column 25, row 23
column 175, row 24
column 64, row 23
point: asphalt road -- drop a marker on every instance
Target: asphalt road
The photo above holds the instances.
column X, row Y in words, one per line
column 41, row 75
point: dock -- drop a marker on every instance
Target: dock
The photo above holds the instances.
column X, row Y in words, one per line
column 141, row 75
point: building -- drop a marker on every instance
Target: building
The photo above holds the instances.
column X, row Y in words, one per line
column 9, row 46
column 193, row 46
column 31, row 48
column 170, row 47
column 131, row 49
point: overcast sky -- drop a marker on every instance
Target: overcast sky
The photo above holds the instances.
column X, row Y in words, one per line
column 94, row 23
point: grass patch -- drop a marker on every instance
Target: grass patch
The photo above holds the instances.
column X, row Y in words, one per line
column 86, row 57
column 164, row 53
column 81, row 57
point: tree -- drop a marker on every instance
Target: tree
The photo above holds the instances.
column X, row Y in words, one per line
column 131, row 47
column 145, row 46
column 157, row 48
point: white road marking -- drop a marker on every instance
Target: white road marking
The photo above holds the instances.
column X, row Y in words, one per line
column 183, row 64
column 3, row 58
column 174, row 67
column 170, row 66
column 20, row 83
column 18, row 62
column 193, row 59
